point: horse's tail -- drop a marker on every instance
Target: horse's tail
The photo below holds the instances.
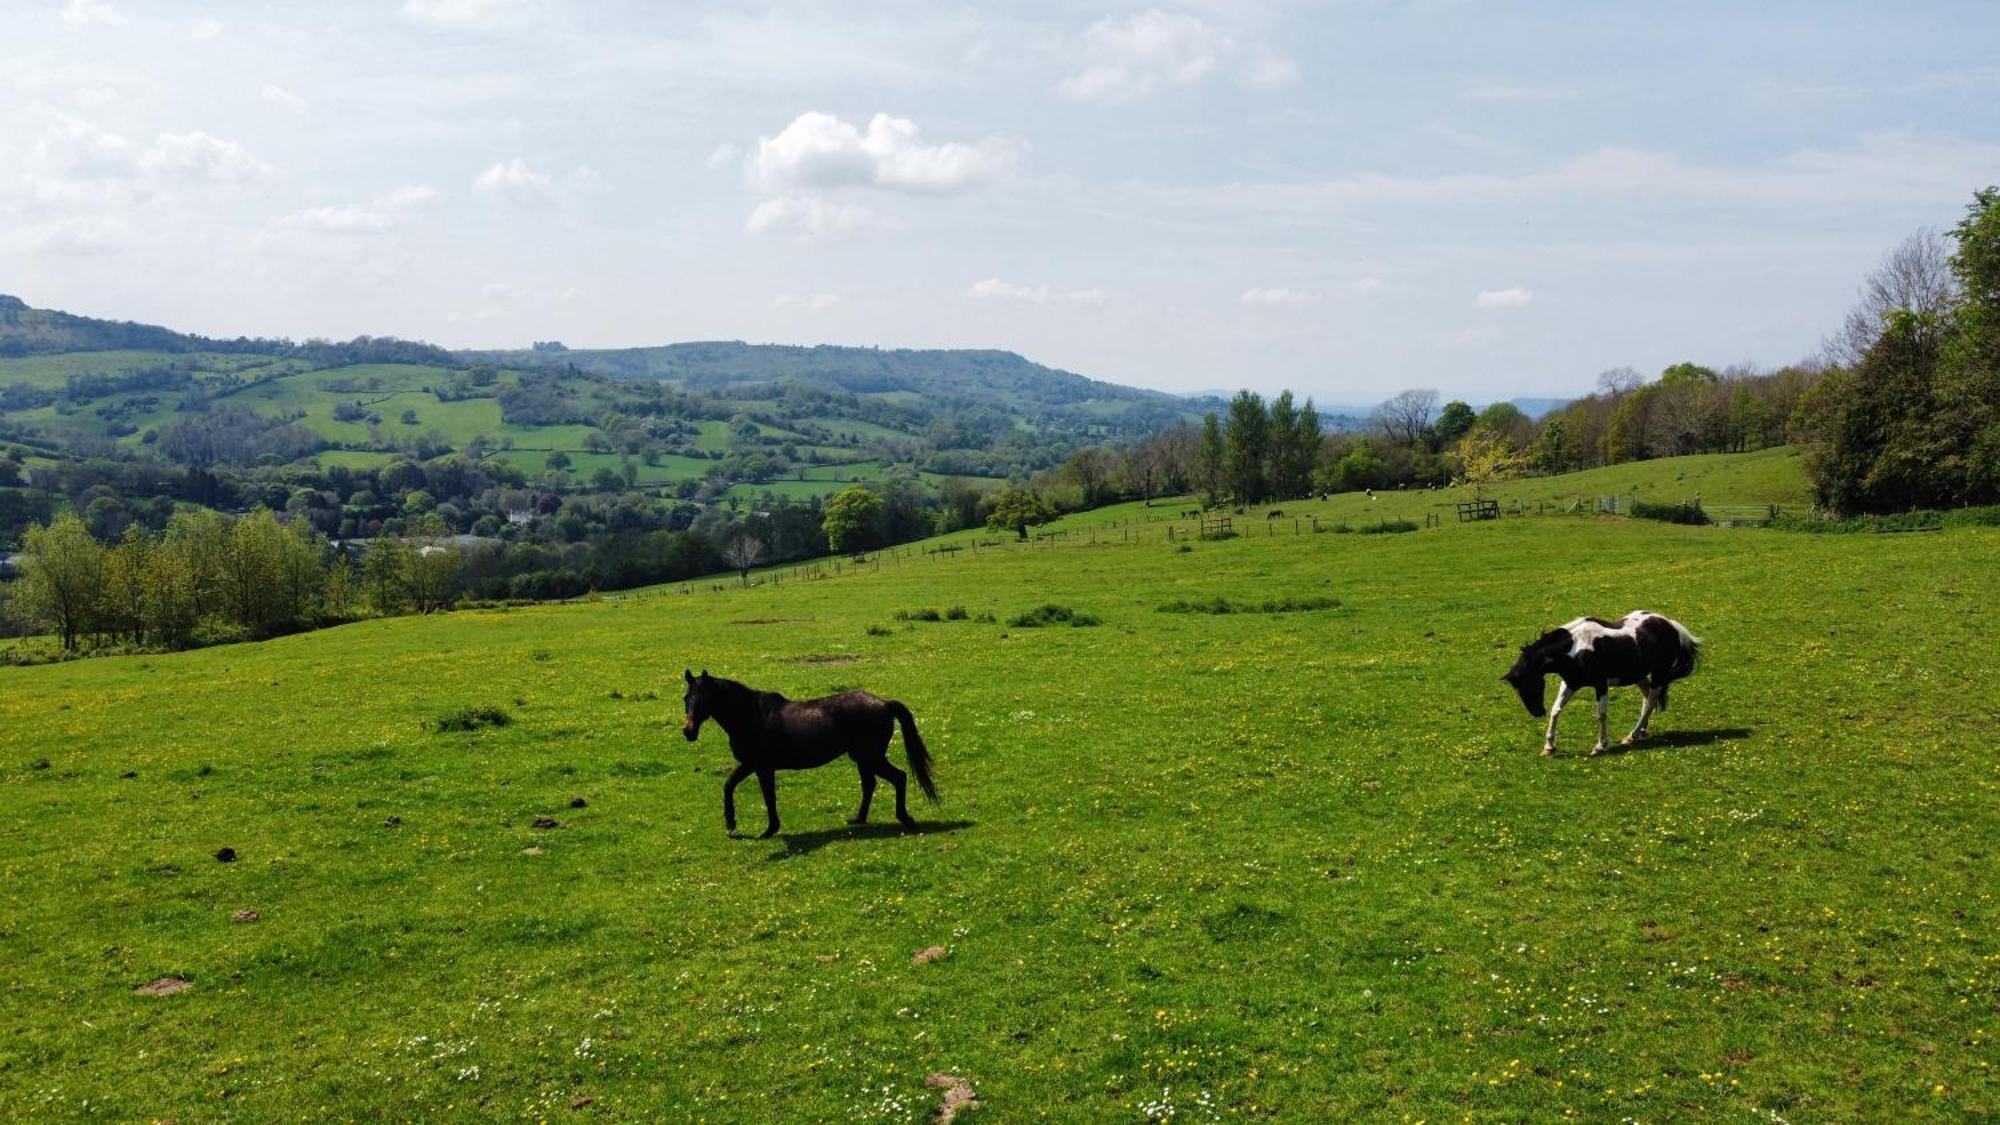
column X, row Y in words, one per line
column 1685, row 660
column 1690, row 654
column 913, row 748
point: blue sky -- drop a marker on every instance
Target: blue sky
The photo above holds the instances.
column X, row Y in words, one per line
column 1343, row 198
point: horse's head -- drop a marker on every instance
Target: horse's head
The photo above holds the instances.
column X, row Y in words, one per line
column 698, row 704
column 1529, row 675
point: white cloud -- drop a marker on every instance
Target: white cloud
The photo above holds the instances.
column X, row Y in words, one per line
column 373, row 218
column 279, row 96
column 468, row 13
column 86, row 12
column 1124, row 59
column 1511, row 298
column 812, row 302
column 525, row 183
column 409, row 195
column 340, row 220
column 818, row 151
column 205, row 28
column 809, row 216
column 1368, row 286
column 723, row 156
column 199, row 157
column 1277, row 295
column 1884, row 168
column 994, row 289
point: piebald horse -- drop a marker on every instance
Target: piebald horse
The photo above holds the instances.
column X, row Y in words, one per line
column 1644, row 648
column 768, row 733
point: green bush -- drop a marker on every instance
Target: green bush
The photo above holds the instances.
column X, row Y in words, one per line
column 1923, row 519
column 1221, row 605
column 955, row 613
column 916, row 615
column 469, row 719
column 1688, row 513
column 1386, row 527
column 1052, row 614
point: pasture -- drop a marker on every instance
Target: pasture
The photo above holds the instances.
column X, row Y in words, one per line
column 1302, row 865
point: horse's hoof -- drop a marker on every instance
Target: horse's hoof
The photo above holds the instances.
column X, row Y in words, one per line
column 1548, row 751
column 769, row 832
column 1597, row 749
column 909, row 824
column 857, row 821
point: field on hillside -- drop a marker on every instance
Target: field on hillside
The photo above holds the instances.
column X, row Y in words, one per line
column 1303, row 865
column 296, row 390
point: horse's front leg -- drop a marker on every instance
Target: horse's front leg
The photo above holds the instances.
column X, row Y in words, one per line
column 1645, row 715
column 1603, row 721
column 736, row 777
column 767, row 780
column 1562, row 700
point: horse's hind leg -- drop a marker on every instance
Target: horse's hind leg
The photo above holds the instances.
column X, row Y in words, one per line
column 900, row 780
column 1645, row 715
column 867, row 791
column 1603, row 722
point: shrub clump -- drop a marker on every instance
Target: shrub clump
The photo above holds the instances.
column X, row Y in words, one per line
column 1922, row 519
column 1688, row 513
column 1221, row 605
column 1052, row 614
column 916, row 615
column 1215, row 536
column 1388, row 527
column 955, row 613
column 469, row 719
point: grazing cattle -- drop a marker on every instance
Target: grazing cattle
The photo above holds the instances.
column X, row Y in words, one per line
column 1644, row 648
column 768, row 733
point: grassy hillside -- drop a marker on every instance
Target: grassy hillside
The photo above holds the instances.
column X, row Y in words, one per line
column 1304, row 866
column 89, row 387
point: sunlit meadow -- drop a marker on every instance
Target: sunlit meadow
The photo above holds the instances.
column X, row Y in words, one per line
column 1301, row 865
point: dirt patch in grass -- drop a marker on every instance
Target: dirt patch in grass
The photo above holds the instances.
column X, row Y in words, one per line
column 957, row 1096
column 763, row 621
column 165, row 986
column 823, row 658
column 926, row 956
column 245, row 916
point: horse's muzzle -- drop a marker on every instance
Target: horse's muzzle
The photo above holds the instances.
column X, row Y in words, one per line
column 691, row 731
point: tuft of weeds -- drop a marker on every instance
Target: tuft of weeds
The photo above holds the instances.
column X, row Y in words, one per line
column 470, row 719
column 1052, row 614
column 1222, row 605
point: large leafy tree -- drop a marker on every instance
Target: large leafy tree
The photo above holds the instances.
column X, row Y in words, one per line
column 1214, row 454
column 1018, row 509
column 1249, row 437
column 852, row 519
column 62, row 579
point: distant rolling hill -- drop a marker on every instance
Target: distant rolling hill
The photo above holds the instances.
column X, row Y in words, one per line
column 798, row 420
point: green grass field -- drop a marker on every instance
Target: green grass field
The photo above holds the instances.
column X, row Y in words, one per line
column 1304, row 866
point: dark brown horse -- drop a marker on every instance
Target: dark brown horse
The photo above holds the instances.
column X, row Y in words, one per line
column 768, row 733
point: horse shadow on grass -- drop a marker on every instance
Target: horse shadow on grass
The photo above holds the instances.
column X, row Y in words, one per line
column 1682, row 739
column 806, row 843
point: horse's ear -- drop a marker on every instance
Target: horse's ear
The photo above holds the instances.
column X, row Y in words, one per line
column 687, row 675
column 704, row 673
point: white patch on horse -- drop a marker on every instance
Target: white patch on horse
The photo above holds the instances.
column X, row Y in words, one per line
column 1583, row 634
